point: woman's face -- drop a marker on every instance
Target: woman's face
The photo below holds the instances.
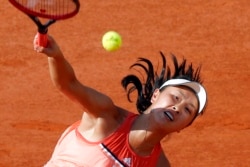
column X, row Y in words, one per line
column 174, row 108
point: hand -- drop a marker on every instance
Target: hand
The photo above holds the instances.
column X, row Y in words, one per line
column 52, row 49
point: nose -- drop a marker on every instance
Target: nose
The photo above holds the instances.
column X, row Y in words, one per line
column 176, row 109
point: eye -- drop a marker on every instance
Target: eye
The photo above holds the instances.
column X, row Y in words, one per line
column 176, row 98
column 188, row 110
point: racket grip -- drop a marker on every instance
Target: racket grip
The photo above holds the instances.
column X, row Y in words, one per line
column 42, row 39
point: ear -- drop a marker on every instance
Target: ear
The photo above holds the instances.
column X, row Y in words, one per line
column 155, row 95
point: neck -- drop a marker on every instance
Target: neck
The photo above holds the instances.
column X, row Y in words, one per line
column 153, row 134
column 145, row 135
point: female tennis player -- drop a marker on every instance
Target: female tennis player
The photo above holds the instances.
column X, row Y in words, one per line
column 108, row 135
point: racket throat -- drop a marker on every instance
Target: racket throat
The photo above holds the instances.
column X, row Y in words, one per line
column 42, row 28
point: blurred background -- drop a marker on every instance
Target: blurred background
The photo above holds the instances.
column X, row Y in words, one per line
column 214, row 34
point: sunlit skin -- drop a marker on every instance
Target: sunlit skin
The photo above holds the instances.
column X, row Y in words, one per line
column 180, row 103
column 173, row 108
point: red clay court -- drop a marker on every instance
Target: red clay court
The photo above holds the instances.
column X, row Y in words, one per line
column 213, row 33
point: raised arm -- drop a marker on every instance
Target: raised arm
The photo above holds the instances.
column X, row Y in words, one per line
column 64, row 78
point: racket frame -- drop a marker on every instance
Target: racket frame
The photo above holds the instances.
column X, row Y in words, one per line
column 44, row 15
column 43, row 28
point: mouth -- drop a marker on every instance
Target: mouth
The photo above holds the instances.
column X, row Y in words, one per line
column 169, row 115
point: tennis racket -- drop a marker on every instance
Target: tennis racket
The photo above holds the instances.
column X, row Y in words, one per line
column 51, row 10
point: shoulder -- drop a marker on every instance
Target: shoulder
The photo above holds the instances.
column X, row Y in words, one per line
column 104, row 125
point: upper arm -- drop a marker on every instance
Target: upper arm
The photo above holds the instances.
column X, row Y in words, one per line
column 95, row 102
column 91, row 100
column 162, row 161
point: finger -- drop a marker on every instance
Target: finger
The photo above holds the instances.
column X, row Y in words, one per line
column 39, row 49
column 35, row 41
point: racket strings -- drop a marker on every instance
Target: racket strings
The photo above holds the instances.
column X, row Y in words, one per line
column 50, row 8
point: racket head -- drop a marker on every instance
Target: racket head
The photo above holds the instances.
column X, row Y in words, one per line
column 49, row 9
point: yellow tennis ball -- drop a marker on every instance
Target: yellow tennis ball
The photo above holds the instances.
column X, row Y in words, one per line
column 111, row 41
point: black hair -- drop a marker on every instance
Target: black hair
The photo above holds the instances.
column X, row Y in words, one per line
column 154, row 80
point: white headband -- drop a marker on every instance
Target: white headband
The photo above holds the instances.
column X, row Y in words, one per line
column 195, row 86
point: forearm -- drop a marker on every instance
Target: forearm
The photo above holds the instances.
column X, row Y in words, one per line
column 61, row 72
column 63, row 77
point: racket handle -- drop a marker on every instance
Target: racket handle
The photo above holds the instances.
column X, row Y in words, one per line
column 42, row 39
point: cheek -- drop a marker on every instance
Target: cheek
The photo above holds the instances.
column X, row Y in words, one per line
column 164, row 101
column 161, row 104
column 181, row 125
column 185, row 121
